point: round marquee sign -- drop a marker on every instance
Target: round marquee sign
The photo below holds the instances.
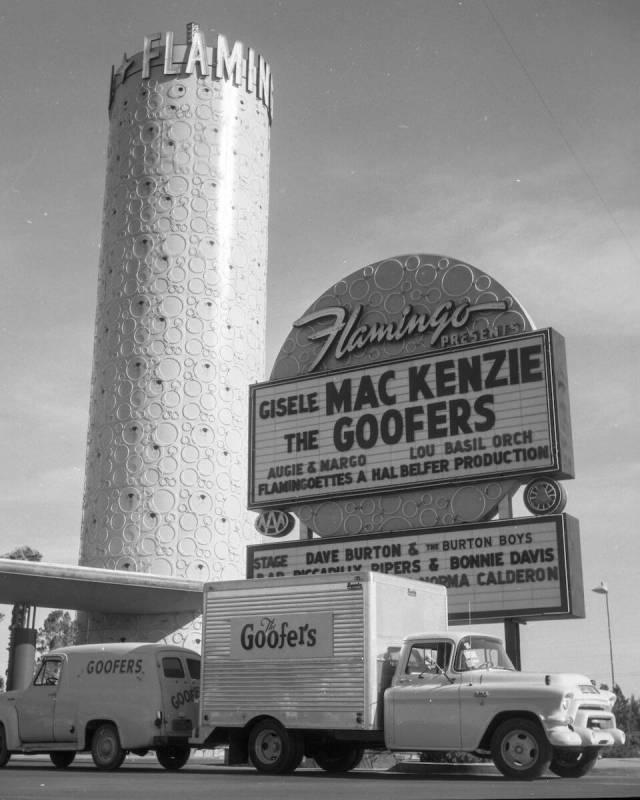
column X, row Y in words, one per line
column 454, row 301
column 414, row 393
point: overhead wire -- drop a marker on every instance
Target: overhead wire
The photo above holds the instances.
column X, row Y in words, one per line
column 562, row 134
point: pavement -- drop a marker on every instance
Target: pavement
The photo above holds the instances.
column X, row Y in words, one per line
column 380, row 762
column 415, row 767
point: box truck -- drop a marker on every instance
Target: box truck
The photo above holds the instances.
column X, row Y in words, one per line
column 328, row 666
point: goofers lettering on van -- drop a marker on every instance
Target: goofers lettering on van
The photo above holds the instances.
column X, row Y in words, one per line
column 111, row 666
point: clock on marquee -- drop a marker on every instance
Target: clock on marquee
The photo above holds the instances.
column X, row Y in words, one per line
column 544, row 496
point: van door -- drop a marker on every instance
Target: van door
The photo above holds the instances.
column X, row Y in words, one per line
column 35, row 706
column 180, row 681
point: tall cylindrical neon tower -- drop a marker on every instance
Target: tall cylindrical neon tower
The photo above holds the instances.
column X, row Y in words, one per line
column 180, row 323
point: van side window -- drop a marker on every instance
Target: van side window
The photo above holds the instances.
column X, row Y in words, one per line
column 172, row 667
column 193, row 665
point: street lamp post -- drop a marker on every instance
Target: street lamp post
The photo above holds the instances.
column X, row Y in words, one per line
column 602, row 589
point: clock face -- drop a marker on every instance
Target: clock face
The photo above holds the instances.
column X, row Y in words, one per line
column 545, row 496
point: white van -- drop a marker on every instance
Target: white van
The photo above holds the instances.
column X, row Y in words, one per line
column 109, row 699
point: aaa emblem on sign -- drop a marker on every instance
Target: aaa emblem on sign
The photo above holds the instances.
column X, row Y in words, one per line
column 274, row 523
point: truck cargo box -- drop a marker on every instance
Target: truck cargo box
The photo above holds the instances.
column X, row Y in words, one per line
column 314, row 652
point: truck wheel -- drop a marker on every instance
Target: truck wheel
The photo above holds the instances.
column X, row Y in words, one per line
column 273, row 749
column 106, row 751
column 173, row 757
column 5, row 755
column 338, row 756
column 573, row 763
column 61, row 759
column 520, row 749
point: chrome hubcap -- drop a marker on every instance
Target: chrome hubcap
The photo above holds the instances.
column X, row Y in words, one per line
column 519, row 750
column 106, row 747
column 269, row 746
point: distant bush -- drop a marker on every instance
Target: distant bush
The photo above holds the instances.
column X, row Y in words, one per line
column 627, row 711
column 630, row 749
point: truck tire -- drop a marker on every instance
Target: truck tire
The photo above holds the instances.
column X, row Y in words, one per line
column 573, row 763
column 5, row 755
column 174, row 756
column 61, row 759
column 338, row 756
column 273, row 749
column 106, row 751
column 520, row 749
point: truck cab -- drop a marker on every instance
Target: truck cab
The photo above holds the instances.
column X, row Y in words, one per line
column 459, row 691
column 108, row 699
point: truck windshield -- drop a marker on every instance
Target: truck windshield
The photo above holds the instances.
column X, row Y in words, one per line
column 481, row 652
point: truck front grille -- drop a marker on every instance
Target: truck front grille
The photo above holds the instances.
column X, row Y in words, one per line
column 600, row 723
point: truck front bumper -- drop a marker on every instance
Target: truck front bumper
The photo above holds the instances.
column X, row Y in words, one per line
column 571, row 736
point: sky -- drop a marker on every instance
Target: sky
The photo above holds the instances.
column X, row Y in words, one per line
column 503, row 133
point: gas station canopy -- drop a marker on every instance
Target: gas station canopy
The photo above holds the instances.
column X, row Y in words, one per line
column 91, row 589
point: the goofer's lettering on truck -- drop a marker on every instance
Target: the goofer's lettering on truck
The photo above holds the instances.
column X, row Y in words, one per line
column 274, row 637
column 282, row 636
column 115, row 666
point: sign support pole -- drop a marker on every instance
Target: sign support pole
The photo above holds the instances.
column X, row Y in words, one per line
column 512, row 641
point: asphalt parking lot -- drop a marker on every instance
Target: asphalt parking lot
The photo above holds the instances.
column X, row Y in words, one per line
column 205, row 776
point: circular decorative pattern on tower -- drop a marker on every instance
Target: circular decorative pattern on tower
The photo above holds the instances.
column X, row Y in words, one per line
column 180, row 324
